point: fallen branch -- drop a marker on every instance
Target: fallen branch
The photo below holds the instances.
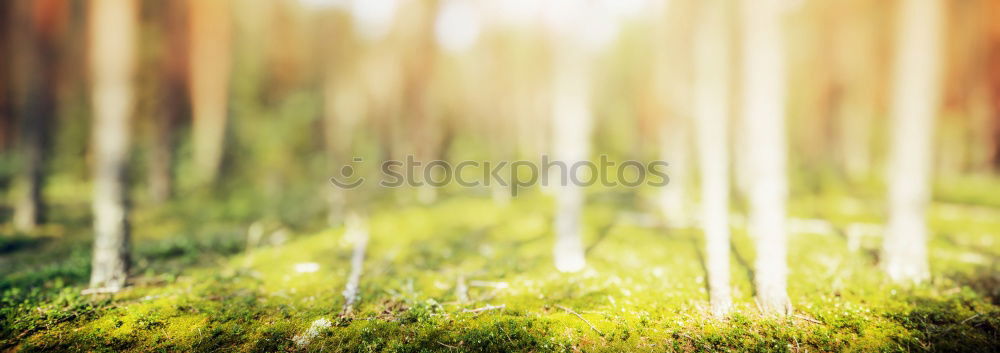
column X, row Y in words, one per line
column 485, row 308
column 970, row 318
column 355, row 231
column 806, row 318
column 581, row 318
column 447, row 345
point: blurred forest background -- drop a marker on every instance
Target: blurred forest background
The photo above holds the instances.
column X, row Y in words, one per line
column 212, row 128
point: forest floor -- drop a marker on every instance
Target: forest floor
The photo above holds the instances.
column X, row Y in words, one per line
column 468, row 274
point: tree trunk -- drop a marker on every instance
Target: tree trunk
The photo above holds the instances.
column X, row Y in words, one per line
column 711, row 112
column 112, row 33
column 171, row 108
column 914, row 106
column 672, row 85
column 35, row 62
column 6, row 116
column 209, row 40
column 571, row 125
column 344, row 106
column 764, row 117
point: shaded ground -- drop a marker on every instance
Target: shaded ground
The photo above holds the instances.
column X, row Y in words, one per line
column 199, row 287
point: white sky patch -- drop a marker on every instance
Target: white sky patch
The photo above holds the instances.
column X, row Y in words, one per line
column 457, row 25
column 513, row 12
column 592, row 24
column 602, row 32
column 563, row 17
column 325, row 4
column 306, row 267
column 625, row 8
column 373, row 18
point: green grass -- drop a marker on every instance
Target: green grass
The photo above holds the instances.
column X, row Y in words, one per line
column 198, row 288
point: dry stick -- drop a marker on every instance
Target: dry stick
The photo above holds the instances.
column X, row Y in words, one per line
column 447, row 345
column 360, row 236
column 970, row 318
column 485, row 308
column 581, row 318
column 809, row 319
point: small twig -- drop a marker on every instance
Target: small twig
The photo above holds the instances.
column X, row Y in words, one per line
column 447, row 345
column 581, row 318
column 357, row 233
column 485, row 308
column 970, row 318
column 806, row 318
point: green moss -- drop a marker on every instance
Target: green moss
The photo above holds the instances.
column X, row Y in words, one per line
column 198, row 287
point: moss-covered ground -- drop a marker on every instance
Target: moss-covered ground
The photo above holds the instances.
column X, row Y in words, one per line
column 198, row 285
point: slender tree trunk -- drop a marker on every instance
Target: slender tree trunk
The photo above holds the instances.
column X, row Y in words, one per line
column 419, row 61
column 992, row 84
column 764, row 116
column 35, row 61
column 571, row 125
column 344, row 106
column 171, row 108
column 6, row 121
column 209, row 40
column 112, row 34
column 161, row 180
column 672, row 86
column 711, row 111
column 914, row 106
column 674, row 199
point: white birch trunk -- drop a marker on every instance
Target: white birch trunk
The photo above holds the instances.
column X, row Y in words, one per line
column 675, row 202
column 672, row 86
column 112, row 34
column 571, row 125
column 764, row 120
column 711, row 113
column 209, row 37
column 914, row 105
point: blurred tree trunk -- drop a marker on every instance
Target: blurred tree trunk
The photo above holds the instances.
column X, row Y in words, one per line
column 209, row 40
column 712, row 108
column 914, row 107
column 112, row 35
column 171, row 106
column 571, row 125
column 858, row 81
column 672, row 86
column 419, row 54
column 6, row 116
column 764, row 118
column 992, row 85
column 344, row 105
column 35, row 45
